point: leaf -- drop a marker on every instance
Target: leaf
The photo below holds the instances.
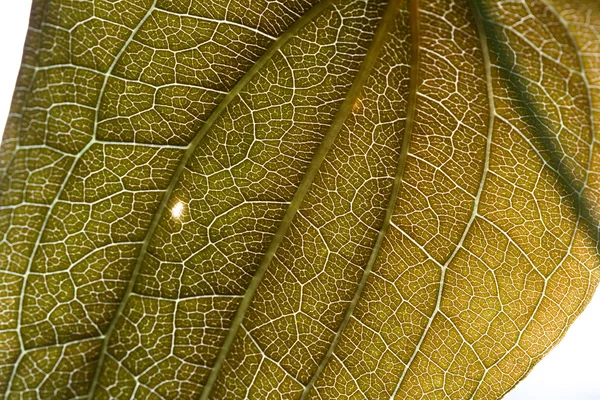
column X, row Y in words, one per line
column 297, row 198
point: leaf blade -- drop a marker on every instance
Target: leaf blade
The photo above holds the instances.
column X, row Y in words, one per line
column 492, row 235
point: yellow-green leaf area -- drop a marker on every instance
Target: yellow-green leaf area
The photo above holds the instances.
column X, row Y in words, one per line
column 297, row 199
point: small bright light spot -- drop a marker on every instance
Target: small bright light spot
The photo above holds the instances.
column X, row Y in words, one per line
column 357, row 106
column 177, row 210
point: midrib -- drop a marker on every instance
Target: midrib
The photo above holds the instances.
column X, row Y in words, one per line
column 191, row 148
column 307, row 180
column 391, row 13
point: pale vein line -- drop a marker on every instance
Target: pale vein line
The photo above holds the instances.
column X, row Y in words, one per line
column 416, row 244
column 56, row 199
column 539, row 302
column 490, row 95
column 219, row 22
column 264, row 356
column 511, row 241
column 479, row 20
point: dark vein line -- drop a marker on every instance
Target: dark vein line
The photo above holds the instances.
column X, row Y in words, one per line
column 388, row 19
column 490, row 38
column 307, row 180
column 262, row 61
column 525, row 104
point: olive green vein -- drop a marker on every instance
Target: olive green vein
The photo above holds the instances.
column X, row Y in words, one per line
column 307, row 180
column 389, row 17
column 240, row 85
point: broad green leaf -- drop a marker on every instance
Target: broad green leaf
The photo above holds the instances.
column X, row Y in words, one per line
column 297, row 199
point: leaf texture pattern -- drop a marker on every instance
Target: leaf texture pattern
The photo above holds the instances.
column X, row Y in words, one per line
column 297, row 199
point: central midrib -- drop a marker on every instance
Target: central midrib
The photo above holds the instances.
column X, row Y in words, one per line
column 191, row 148
column 307, row 180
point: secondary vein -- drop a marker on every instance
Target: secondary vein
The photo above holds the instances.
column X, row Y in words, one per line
column 474, row 213
column 307, row 180
column 63, row 186
column 191, row 148
column 388, row 19
column 488, row 37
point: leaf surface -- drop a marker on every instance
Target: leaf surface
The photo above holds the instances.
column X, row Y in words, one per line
column 297, row 198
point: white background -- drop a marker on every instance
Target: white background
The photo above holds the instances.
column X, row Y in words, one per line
column 570, row 371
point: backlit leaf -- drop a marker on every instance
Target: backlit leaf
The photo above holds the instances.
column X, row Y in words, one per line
column 297, row 199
